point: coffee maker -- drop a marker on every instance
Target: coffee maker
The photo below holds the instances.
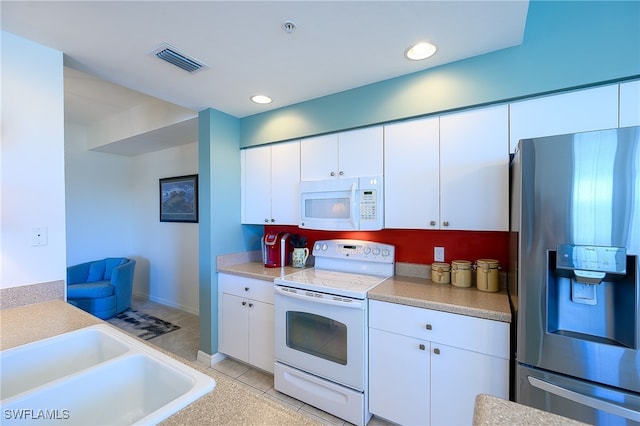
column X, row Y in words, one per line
column 276, row 250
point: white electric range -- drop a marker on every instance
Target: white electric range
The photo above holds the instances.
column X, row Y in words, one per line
column 321, row 326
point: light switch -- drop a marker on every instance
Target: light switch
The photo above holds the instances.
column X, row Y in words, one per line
column 39, row 236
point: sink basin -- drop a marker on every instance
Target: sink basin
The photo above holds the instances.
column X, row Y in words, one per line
column 95, row 376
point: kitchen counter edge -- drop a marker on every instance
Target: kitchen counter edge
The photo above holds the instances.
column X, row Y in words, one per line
column 490, row 410
column 424, row 293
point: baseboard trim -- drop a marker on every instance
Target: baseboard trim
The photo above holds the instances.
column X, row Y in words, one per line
column 209, row 360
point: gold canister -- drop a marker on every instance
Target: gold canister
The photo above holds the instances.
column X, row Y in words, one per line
column 440, row 272
column 461, row 273
column 487, row 275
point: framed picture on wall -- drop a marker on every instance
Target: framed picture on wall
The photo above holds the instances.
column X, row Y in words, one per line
column 179, row 199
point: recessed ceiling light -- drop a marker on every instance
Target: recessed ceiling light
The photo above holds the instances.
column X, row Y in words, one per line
column 261, row 99
column 420, row 51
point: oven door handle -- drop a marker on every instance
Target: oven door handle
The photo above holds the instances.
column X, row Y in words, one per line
column 352, row 303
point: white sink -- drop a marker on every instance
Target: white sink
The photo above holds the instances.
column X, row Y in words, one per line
column 95, row 376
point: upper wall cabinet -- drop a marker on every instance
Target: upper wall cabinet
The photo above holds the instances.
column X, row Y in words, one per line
column 630, row 104
column 580, row 111
column 412, row 174
column 448, row 172
column 474, row 169
column 270, row 179
column 346, row 154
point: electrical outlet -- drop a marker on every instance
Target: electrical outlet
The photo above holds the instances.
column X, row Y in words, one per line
column 438, row 254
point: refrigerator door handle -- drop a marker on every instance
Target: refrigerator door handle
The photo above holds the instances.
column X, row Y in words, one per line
column 592, row 402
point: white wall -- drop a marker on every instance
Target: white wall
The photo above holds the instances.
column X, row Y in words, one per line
column 172, row 248
column 99, row 204
column 32, row 163
column 113, row 210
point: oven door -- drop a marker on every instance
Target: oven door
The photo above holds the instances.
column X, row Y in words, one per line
column 321, row 334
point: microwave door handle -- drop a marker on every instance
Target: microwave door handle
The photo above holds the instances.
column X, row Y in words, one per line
column 589, row 401
column 354, row 206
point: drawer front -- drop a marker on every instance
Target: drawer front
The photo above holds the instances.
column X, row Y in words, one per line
column 250, row 288
column 461, row 331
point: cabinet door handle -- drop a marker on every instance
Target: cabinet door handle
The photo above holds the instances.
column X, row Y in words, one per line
column 428, row 327
column 436, row 351
column 246, row 289
column 341, row 173
column 251, row 305
column 266, row 220
column 273, row 220
column 445, row 223
column 244, row 303
column 421, row 347
column 432, row 223
column 332, row 174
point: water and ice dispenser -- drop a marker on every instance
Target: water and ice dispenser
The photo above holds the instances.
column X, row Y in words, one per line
column 592, row 294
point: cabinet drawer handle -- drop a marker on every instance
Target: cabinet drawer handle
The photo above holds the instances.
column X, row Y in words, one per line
column 244, row 303
column 428, row 327
column 436, row 351
column 421, row 347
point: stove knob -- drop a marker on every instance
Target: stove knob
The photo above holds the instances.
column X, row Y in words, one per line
column 367, row 250
column 325, row 247
column 376, row 251
column 385, row 252
column 317, row 246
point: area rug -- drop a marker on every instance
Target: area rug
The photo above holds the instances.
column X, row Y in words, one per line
column 142, row 325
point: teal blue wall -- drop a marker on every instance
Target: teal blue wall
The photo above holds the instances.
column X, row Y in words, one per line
column 220, row 231
column 567, row 44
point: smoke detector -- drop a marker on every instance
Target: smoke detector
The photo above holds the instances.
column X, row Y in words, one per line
column 170, row 54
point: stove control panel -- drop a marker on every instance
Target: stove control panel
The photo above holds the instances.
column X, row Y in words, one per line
column 355, row 250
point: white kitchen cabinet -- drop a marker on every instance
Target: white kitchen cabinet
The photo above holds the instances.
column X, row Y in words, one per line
column 572, row 112
column 426, row 367
column 474, row 170
column 270, row 178
column 448, row 172
column 246, row 325
column 412, row 174
column 630, row 104
column 397, row 392
column 353, row 153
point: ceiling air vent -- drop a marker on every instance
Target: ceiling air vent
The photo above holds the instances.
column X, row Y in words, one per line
column 168, row 53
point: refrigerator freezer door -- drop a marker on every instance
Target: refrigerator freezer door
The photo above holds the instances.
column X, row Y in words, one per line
column 577, row 399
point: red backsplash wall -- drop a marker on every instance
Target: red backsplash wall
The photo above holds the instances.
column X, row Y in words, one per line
column 416, row 246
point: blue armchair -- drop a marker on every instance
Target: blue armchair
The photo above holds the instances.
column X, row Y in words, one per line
column 102, row 287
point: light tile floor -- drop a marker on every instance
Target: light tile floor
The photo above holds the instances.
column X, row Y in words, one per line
column 185, row 342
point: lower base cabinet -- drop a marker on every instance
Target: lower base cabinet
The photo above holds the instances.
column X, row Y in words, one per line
column 426, row 367
column 246, row 325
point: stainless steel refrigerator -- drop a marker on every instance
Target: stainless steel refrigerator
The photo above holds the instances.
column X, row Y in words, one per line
column 573, row 275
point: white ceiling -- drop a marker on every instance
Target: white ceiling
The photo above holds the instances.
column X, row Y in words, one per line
column 337, row 45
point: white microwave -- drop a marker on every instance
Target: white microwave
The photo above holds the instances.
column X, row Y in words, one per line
column 343, row 204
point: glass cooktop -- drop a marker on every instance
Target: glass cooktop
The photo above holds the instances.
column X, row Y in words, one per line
column 339, row 283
